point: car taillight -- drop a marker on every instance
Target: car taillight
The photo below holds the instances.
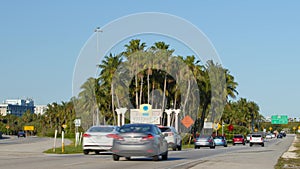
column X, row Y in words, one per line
column 148, row 137
column 86, row 135
column 250, row 138
column 115, row 136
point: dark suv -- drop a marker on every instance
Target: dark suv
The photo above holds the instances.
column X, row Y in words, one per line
column 21, row 134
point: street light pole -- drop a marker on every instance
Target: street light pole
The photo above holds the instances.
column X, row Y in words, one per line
column 97, row 30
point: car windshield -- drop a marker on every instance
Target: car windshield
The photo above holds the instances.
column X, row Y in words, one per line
column 135, row 129
column 101, row 129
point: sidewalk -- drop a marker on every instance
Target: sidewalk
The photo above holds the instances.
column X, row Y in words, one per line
column 30, row 145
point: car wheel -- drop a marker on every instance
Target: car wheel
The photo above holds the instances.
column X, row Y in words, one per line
column 179, row 148
column 116, row 157
column 213, row 147
column 165, row 156
column 263, row 145
column 86, row 152
column 233, row 144
column 155, row 158
column 128, row 158
column 251, row 145
column 225, row 145
column 174, row 148
column 244, row 143
column 97, row 152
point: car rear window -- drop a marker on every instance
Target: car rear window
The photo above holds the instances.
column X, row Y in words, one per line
column 101, row 129
column 256, row 135
column 165, row 129
column 238, row 136
column 135, row 129
column 219, row 137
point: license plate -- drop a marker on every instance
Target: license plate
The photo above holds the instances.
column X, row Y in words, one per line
column 132, row 139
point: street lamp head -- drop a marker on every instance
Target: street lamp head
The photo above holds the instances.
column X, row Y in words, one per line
column 98, row 29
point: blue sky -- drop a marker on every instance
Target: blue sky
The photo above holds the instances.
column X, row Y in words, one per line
column 258, row 41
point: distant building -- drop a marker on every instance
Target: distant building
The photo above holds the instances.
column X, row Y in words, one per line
column 40, row 109
column 16, row 107
column 268, row 119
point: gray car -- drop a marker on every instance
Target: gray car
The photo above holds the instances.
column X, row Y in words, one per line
column 204, row 141
column 140, row 140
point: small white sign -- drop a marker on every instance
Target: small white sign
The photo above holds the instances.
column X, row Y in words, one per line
column 77, row 122
column 208, row 125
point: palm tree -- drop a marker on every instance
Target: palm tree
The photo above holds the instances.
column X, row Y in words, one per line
column 87, row 100
column 162, row 52
column 108, row 68
column 132, row 53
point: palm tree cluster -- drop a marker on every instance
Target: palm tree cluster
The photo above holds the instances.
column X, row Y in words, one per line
column 243, row 113
column 153, row 75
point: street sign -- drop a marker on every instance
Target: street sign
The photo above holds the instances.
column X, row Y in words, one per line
column 217, row 126
column 29, row 128
column 77, row 122
column 270, row 128
column 187, row 121
column 208, row 125
column 279, row 119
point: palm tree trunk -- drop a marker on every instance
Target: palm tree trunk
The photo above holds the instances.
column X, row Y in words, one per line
column 164, row 94
column 136, row 92
column 112, row 103
column 141, row 90
column 202, row 118
column 152, row 93
column 187, row 96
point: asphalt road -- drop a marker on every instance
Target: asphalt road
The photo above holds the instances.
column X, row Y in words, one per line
column 26, row 153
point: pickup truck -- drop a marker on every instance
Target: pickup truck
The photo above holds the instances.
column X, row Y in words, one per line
column 256, row 139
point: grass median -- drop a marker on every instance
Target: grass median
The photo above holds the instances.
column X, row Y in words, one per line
column 292, row 162
column 68, row 149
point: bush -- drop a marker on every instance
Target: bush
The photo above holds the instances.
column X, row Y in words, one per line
column 187, row 138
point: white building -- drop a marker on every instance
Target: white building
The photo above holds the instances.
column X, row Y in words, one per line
column 40, row 109
column 16, row 107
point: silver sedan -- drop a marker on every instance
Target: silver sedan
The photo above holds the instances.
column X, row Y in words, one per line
column 140, row 140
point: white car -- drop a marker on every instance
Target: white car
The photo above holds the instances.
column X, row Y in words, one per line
column 268, row 136
column 273, row 135
column 172, row 136
column 98, row 138
column 256, row 139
